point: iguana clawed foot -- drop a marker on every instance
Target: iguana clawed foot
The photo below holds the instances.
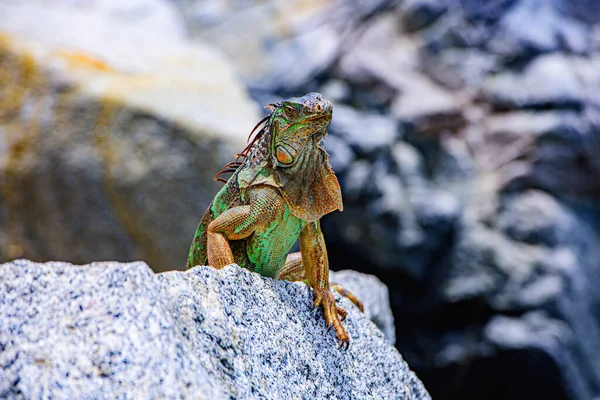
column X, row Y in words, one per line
column 334, row 315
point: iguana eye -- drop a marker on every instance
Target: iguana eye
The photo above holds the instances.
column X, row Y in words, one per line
column 290, row 111
column 284, row 156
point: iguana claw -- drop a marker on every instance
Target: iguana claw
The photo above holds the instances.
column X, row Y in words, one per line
column 342, row 313
column 325, row 299
column 347, row 343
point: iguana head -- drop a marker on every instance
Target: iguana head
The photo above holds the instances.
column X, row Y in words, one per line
column 288, row 153
column 293, row 123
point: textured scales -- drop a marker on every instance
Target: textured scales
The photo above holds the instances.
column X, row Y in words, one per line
column 282, row 184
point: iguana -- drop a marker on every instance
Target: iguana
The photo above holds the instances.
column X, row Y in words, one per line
column 282, row 184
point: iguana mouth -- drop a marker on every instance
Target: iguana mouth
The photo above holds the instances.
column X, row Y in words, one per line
column 319, row 117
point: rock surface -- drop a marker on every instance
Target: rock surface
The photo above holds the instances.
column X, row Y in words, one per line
column 375, row 298
column 112, row 125
column 109, row 330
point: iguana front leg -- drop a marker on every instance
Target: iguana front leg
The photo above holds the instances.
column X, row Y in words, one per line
column 293, row 270
column 228, row 226
column 239, row 223
column 316, row 266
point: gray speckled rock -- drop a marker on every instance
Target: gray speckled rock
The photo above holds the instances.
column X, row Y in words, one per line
column 98, row 331
column 552, row 80
column 111, row 330
column 374, row 295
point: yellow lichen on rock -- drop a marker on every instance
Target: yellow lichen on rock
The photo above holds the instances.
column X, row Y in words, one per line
column 18, row 74
column 20, row 79
column 80, row 59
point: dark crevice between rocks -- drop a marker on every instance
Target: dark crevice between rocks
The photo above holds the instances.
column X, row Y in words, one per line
column 519, row 62
column 483, row 11
column 571, row 196
column 508, row 374
column 486, row 372
column 569, row 105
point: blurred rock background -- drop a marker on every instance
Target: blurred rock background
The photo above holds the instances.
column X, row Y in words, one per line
column 466, row 136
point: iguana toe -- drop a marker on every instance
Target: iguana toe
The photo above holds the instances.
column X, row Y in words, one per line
column 333, row 313
column 341, row 312
column 349, row 295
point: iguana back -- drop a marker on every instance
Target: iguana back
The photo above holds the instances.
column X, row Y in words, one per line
column 227, row 197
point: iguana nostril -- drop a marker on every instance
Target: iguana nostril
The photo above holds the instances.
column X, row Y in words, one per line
column 318, row 108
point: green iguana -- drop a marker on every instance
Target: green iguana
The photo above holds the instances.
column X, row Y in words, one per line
column 282, row 184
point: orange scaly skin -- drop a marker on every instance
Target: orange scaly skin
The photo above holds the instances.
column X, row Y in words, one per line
column 277, row 194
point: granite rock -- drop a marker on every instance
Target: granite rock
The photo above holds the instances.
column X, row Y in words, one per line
column 374, row 295
column 364, row 132
column 109, row 330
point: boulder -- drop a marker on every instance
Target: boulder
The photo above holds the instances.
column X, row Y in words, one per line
column 549, row 81
column 286, row 44
column 534, row 27
column 112, row 125
column 528, row 279
column 557, row 150
column 108, row 330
